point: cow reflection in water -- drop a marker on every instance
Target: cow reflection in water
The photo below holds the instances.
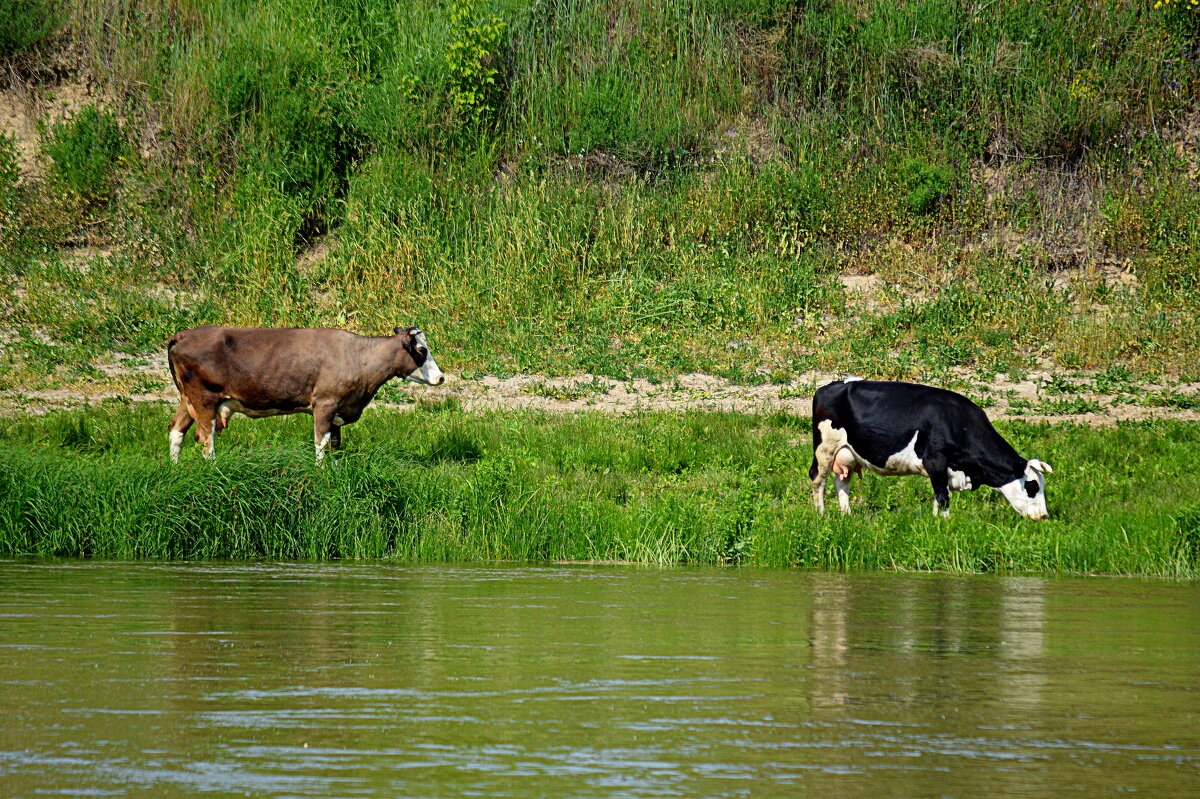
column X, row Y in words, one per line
column 916, row 635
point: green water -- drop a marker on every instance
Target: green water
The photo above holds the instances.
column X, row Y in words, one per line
column 377, row 680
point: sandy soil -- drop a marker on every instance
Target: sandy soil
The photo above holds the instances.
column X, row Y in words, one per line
column 1002, row 398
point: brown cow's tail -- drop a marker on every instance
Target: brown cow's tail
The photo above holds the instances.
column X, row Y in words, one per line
column 171, row 365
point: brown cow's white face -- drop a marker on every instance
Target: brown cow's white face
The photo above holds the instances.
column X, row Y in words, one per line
column 1027, row 494
column 427, row 371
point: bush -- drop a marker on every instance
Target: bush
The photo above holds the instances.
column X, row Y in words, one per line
column 473, row 56
column 26, row 23
column 1173, row 276
column 86, row 150
column 926, row 185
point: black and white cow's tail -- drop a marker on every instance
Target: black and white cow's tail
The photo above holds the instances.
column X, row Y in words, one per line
column 814, row 470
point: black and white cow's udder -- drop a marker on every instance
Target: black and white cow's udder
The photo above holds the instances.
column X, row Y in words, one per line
column 905, row 461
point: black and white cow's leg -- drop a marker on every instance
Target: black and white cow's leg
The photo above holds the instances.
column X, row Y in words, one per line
column 818, row 473
column 843, row 490
column 826, row 442
column 940, row 479
column 845, row 464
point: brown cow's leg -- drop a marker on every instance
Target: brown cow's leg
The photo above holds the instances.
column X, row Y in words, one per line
column 323, row 428
column 204, row 409
column 179, row 425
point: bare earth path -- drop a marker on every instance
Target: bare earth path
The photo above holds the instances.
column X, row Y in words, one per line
column 1076, row 398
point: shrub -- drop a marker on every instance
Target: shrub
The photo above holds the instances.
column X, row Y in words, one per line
column 24, row 24
column 1173, row 276
column 86, row 150
column 474, row 55
column 926, row 186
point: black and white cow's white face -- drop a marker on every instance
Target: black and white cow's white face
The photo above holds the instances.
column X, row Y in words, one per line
column 427, row 371
column 1027, row 494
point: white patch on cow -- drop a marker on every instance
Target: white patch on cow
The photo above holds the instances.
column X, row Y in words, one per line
column 338, row 421
column 851, row 378
column 231, row 406
column 176, row 438
column 428, row 373
column 905, row 461
column 210, row 446
column 321, row 445
column 845, row 460
column 958, row 480
column 1017, row 494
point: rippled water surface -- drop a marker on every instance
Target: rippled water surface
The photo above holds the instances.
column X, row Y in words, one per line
column 379, row 680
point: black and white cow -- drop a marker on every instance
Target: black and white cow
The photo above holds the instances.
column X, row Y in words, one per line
column 906, row 428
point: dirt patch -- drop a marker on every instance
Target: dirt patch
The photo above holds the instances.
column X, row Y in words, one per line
column 23, row 107
column 18, row 120
column 1042, row 396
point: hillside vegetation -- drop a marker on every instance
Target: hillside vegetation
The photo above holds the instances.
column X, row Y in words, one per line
column 750, row 188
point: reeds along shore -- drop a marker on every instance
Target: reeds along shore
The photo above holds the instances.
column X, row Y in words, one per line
column 750, row 188
column 694, row 488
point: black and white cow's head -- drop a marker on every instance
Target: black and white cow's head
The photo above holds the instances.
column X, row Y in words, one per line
column 1027, row 493
column 426, row 371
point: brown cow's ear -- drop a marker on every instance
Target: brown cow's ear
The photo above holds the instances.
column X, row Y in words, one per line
column 398, row 330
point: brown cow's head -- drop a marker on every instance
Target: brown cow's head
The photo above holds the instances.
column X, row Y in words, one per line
column 425, row 369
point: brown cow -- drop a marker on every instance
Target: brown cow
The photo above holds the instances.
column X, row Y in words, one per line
column 331, row 374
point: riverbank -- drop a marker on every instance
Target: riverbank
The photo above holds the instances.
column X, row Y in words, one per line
column 1045, row 393
column 694, row 487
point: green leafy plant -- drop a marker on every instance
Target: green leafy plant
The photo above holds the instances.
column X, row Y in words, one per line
column 575, row 390
column 474, row 56
column 86, row 150
column 926, row 185
column 24, row 24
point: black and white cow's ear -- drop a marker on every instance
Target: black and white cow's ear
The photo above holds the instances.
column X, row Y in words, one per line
column 1035, row 468
column 416, row 332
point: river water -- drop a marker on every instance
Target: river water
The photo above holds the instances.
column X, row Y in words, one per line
column 138, row 679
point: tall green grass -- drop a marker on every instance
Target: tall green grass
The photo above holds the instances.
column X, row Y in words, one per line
column 621, row 186
column 441, row 485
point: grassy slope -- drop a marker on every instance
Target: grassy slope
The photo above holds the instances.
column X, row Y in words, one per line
column 438, row 484
column 623, row 187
